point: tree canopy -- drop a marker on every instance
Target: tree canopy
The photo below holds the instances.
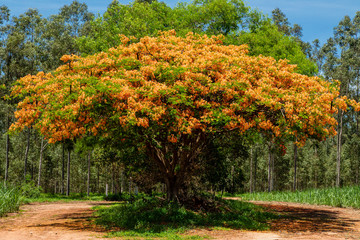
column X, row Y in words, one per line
column 172, row 93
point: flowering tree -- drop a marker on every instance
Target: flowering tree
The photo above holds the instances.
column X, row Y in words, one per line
column 171, row 94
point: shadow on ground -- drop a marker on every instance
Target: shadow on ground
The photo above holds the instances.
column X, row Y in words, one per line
column 79, row 220
column 298, row 219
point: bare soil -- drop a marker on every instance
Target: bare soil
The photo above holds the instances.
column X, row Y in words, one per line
column 51, row 221
column 71, row 221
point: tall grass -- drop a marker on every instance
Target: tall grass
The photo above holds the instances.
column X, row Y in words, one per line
column 10, row 199
column 336, row 197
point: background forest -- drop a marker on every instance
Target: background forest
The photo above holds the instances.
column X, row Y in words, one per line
column 31, row 43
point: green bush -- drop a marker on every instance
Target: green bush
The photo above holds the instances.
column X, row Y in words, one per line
column 155, row 215
column 30, row 190
column 10, row 199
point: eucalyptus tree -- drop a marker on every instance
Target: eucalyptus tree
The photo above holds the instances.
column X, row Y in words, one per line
column 76, row 19
column 346, row 36
column 282, row 22
column 27, row 32
column 19, row 50
column 4, row 104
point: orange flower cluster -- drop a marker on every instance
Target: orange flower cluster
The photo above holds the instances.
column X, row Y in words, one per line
column 177, row 86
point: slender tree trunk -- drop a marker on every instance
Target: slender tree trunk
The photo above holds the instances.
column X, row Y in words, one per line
column 112, row 179
column 32, row 170
column 88, row 175
column 295, row 166
column 338, row 157
column 255, row 166
column 40, row 160
column 271, row 169
column 272, row 172
column 357, row 174
column 7, row 151
column 122, row 181
column 232, row 179
column 63, row 170
column 251, row 170
column 130, row 185
column 98, row 179
column 356, row 171
column 68, row 173
column 27, row 152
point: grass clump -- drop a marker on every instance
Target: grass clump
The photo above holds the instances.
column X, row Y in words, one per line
column 10, row 199
column 170, row 234
column 336, row 197
column 160, row 218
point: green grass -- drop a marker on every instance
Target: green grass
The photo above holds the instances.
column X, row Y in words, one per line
column 336, row 197
column 170, row 234
column 152, row 218
column 10, row 199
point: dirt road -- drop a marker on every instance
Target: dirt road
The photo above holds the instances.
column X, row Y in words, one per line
column 69, row 221
column 51, row 221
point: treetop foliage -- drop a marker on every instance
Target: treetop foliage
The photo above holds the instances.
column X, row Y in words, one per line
column 173, row 86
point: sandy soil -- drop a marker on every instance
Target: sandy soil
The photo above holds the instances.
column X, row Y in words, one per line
column 70, row 221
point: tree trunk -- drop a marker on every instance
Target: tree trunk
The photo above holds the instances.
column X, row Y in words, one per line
column 172, row 189
column 270, row 170
column 130, row 185
column 88, row 175
column 338, row 157
column 255, row 167
column 112, row 179
column 7, row 151
column 27, row 152
column 63, row 170
column 122, row 179
column 251, row 170
column 98, row 179
column 42, row 147
column 68, row 173
column 175, row 161
column 295, row 166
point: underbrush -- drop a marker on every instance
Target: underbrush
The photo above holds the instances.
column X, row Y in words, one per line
column 10, row 199
column 159, row 218
column 124, row 197
column 336, row 197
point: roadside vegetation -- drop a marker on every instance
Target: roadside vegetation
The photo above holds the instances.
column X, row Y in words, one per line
column 10, row 199
column 335, row 197
column 155, row 217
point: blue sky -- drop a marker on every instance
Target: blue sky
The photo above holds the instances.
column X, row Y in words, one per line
column 317, row 17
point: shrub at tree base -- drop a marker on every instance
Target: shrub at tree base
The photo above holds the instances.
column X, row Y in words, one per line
column 154, row 215
column 170, row 94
